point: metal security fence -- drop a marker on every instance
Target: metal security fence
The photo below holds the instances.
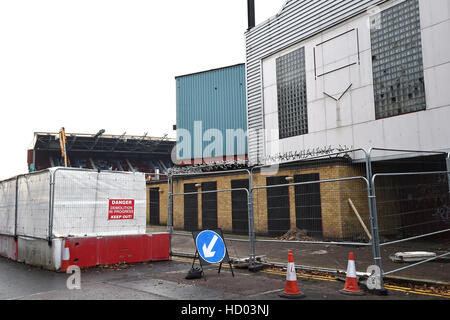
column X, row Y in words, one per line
column 8, row 206
column 411, row 194
column 33, row 205
column 411, row 204
column 210, row 209
column 210, row 200
column 25, row 205
column 81, row 200
column 317, row 211
column 323, row 206
column 62, row 202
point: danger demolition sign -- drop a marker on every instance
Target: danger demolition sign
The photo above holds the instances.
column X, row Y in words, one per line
column 121, row 209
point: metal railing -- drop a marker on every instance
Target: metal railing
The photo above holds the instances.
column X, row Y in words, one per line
column 31, row 203
column 356, row 190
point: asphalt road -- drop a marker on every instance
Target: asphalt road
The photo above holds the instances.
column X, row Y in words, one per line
column 166, row 281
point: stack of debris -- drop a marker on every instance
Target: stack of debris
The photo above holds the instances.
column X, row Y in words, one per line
column 296, row 234
column 244, row 262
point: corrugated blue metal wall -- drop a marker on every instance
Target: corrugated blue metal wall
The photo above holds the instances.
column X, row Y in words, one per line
column 217, row 99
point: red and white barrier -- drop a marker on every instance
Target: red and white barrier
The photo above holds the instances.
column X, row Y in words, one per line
column 87, row 251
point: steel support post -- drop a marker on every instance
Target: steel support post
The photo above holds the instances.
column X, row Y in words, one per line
column 16, row 207
column 448, row 170
column 376, row 251
column 51, row 206
column 170, row 210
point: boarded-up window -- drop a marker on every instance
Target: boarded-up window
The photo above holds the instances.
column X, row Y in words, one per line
column 154, row 206
column 278, row 215
column 209, row 205
column 190, row 208
column 239, row 206
column 308, row 208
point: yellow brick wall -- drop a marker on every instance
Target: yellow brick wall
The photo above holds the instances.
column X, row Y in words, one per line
column 224, row 212
column 338, row 219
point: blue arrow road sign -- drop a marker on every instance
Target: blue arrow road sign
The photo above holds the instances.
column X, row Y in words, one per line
column 210, row 246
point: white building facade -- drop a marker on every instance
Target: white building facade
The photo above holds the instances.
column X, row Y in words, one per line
column 349, row 74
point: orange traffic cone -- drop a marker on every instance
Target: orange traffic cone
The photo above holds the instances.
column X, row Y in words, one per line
column 291, row 291
column 351, row 280
column 65, row 256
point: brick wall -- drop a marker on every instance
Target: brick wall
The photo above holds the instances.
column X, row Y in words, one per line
column 338, row 219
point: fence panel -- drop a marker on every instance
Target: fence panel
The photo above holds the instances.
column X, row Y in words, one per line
column 411, row 204
column 7, row 206
column 319, row 220
column 200, row 206
column 334, row 210
column 411, row 192
column 324, row 206
column 33, row 203
column 83, row 201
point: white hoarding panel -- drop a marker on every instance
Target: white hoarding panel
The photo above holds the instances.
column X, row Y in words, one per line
column 7, row 206
column 88, row 203
column 33, row 205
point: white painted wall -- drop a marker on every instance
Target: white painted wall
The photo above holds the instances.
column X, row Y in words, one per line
column 351, row 121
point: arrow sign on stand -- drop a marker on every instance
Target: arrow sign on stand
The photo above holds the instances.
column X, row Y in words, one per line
column 210, row 246
column 207, row 252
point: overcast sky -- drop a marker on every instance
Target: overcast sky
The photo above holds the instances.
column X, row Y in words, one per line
column 88, row 65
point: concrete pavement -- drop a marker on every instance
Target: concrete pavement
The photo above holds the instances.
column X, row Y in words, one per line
column 166, row 281
column 335, row 257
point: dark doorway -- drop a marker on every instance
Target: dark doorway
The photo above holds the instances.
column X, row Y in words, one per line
column 154, row 206
column 239, row 207
column 209, row 205
column 190, row 208
column 278, row 207
column 308, row 209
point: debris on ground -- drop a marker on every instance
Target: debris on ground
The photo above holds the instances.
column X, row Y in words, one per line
column 244, row 262
column 118, row 266
column 320, row 252
column 296, row 234
column 413, row 256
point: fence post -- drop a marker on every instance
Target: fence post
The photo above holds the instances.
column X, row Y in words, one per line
column 51, row 206
column 16, row 207
column 376, row 251
column 170, row 209
column 251, row 223
column 448, row 170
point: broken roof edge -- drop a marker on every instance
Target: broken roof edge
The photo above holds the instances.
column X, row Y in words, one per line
column 107, row 136
column 267, row 21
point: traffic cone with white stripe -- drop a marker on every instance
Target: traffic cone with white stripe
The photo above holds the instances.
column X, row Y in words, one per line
column 291, row 291
column 65, row 263
column 351, row 280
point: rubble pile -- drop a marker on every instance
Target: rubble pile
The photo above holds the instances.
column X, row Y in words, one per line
column 296, row 234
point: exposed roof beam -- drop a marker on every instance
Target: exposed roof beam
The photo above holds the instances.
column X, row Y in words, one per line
column 97, row 137
column 118, row 141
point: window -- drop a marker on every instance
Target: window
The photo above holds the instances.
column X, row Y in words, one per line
column 397, row 61
column 291, row 89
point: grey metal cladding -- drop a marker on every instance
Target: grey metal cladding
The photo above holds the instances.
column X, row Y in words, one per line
column 297, row 21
